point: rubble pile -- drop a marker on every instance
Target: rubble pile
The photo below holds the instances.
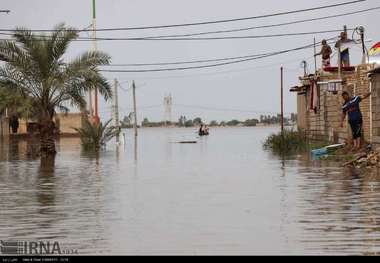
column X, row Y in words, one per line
column 365, row 160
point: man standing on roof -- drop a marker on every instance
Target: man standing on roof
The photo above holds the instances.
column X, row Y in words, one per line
column 344, row 50
column 351, row 108
column 326, row 52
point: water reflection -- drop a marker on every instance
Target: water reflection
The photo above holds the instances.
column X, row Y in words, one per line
column 341, row 210
column 135, row 148
column 223, row 195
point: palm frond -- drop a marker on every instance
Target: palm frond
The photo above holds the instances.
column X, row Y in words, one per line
column 35, row 68
column 60, row 40
column 95, row 136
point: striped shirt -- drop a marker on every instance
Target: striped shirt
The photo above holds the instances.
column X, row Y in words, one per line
column 352, row 108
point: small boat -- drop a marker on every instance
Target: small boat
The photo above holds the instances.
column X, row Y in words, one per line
column 326, row 150
column 335, row 147
column 319, row 152
column 187, row 142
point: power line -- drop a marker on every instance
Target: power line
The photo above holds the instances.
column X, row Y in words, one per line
column 267, row 26
column 211, row 65
column 44, row 37
column 169, row 37
column 220, row 72
column 241, row 59
column 184, row 62
column 191, row 61
column 218, row 21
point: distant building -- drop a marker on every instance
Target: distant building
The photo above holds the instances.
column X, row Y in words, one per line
column 64, row 123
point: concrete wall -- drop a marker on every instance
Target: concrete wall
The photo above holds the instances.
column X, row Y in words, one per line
column 66, row 122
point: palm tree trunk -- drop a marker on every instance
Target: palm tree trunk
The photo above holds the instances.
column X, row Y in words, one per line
column 47, row 142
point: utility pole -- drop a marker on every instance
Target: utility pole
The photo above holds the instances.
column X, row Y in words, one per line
column 94, row 113
column 340, row 61
column 95, row 49
column 282, row 100
column 361, row 30
column 315, row 56
column 134, row 107
column 116, row 110
column 304, row 66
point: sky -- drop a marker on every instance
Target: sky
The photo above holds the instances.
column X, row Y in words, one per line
column 239, row 91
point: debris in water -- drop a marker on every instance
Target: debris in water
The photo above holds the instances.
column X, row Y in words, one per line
column 363, row 160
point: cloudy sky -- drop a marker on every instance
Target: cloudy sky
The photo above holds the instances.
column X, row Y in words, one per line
column 239, row 91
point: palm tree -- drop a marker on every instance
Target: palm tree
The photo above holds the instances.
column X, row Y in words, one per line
column 35, row 68
column 95, row 136
column 18, row 105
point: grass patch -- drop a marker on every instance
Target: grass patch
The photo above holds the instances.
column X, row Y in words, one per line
column 291, row 142
column 288, row 142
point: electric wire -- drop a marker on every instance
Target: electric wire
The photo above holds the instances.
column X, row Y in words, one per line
column 217, row 21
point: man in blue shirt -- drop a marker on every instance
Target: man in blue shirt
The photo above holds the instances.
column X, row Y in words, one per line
column 351, row 107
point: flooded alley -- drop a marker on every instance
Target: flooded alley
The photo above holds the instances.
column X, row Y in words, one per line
column 223, row 195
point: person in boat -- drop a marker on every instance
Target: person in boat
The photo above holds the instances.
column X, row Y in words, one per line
column 351, row 107
column 326, row 52
column 201, row 131
column 206, row 130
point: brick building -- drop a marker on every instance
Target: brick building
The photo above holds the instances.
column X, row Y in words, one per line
column 374, row 78
column 319, row 103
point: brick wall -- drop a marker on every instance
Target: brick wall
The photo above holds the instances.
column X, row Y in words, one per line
column 325, row 124
column 301, row 109
column 376, row 109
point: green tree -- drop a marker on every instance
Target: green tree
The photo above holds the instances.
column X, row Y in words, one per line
column 35, row 67
column 95, row 136
column 145, row 122
column 189, row 123
column 251, row 122
column 233, row 123
column 182, row 121
column 197, row 121
column 214, row 123
column 16, row 104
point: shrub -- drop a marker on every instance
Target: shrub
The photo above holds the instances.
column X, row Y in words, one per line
column 287, row 142
column 95, row 136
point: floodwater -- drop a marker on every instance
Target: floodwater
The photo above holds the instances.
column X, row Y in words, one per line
column 224, row 195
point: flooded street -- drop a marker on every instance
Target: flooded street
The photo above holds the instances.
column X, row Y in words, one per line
column 223, row 195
